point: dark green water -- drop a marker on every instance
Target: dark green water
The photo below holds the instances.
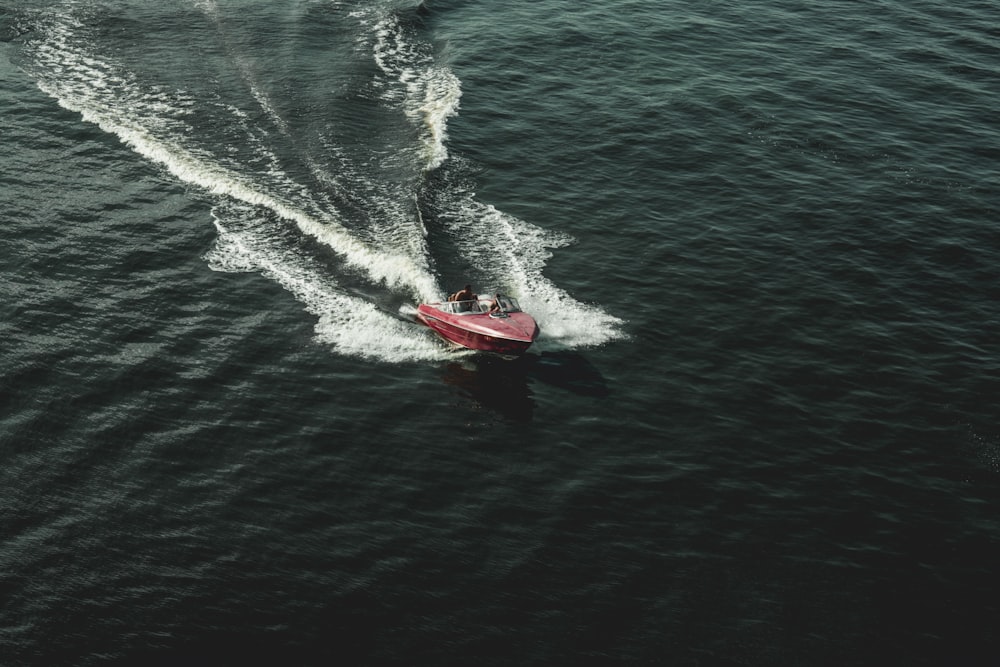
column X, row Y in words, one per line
column 759, row 428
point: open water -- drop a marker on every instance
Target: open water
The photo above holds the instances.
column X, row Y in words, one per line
column 760, row 427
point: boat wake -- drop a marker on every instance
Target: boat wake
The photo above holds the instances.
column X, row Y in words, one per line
column 304, row 191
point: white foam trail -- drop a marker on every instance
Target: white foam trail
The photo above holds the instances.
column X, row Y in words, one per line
column 148, row 124
column 431, row 93
column 351, row 325
column 154, row 122
column 393, row 213
column 509, row 249
column 441, row 101
column 513, row 253
column 393, row 224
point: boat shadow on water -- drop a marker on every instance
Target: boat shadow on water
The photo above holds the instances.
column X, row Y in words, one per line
column 505, row 385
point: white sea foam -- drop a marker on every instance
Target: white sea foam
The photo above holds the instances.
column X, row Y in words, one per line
column 512, row 253
column 510, row 250
column 156, row 122
column 428, row 92
column 113, row 100
column 348, row 323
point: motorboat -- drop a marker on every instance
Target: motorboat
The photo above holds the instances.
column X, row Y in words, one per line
column 488, row 324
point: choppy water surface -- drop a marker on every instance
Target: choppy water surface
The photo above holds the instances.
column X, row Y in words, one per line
column 760, row 425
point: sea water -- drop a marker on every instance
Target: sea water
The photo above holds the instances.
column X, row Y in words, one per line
column 760, row 425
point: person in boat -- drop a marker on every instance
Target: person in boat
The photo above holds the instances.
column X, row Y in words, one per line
column 466, row 295
column 495, row 307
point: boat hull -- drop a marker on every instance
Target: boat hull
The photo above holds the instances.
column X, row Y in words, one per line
column 510, row 335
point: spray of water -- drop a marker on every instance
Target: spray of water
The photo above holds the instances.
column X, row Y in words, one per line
column 258, row 202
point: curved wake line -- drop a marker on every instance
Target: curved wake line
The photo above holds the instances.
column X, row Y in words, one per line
column 514, row 253
column 392, row 270
column 395, row 271
column 154, row 124
column 431, row 92
column 349, row 324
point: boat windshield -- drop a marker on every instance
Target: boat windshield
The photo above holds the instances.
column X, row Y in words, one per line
column 464, row 307
column 508, row 304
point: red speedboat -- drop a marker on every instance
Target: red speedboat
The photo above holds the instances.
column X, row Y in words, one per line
column 496, row 324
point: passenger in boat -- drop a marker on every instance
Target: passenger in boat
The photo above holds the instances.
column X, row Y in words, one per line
column 495, row 306
column 467, row 296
